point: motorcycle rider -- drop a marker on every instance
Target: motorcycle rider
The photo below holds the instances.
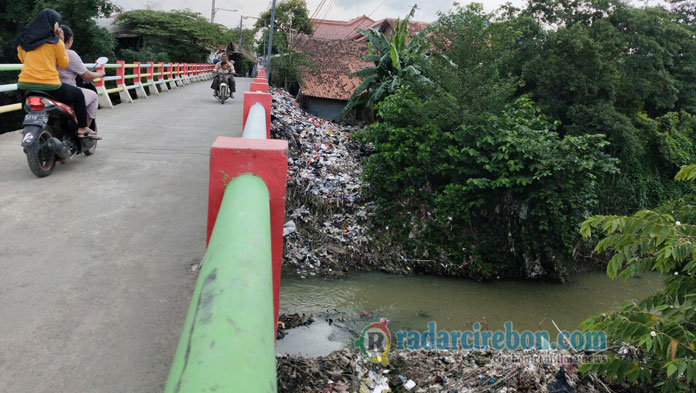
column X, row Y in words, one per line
column 40, row 47
column 77, row 68
column 227, row 67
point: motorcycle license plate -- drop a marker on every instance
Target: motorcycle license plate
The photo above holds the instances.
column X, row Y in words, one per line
column 36, row 119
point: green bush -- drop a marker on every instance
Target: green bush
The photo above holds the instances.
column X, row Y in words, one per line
column 143, row 55
column 497, row 197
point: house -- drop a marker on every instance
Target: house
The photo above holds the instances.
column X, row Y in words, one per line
column 326, row 88
column 126, row 38
column 339, row 30
column 337, row 50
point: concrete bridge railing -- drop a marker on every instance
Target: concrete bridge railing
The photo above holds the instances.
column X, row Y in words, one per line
column 228, row 340
column 166, row 76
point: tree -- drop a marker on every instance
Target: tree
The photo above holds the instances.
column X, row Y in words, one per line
column 181, row 34
column 606, row 67
column 248, row 40
column 394, row 59
column 289, row 15
column 661, row 326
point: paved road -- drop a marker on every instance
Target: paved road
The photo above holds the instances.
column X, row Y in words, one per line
column 95, row 260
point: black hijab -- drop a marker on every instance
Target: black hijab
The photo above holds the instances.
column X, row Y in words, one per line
column 40, row 31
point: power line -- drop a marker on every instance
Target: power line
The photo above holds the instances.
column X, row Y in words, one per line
column 328, row 8
column 373, row 11
column 316, row 10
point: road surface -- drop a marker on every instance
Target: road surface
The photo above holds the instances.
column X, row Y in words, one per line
column 96, row 259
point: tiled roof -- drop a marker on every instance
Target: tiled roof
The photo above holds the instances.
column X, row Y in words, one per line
column 339, row 30
column 390, row 24
column 334, row 61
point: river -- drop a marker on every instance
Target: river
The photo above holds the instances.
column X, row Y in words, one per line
column 410, row 302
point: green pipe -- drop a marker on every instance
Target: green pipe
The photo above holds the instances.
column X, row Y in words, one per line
column 228, row 343
column 112, row 66
column 11, row 67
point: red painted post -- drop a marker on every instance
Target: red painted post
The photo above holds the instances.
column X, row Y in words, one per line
column 151, row 65
column 136, row 71
column 100, row 83
column 260, row 80
column 252, row 97
column 259, row 87
column 161, row 67
column 267, row 159
column 120, row 71
column 176, row 74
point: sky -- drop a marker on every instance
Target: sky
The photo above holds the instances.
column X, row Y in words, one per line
column 331, row 9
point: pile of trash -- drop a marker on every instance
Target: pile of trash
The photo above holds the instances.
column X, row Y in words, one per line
column 327, row 216
column 291, row 321
column 458, row 371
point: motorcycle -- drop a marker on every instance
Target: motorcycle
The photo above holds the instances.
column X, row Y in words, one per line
column 50, row 131
column 223, row 89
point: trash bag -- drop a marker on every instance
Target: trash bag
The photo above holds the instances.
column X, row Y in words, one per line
column 561, row 384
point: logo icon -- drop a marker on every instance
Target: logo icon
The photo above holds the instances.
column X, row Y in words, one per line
column 374, row 342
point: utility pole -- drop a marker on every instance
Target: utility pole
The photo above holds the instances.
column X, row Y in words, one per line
column 215, row 10
column 270, row 43
column 240, row 32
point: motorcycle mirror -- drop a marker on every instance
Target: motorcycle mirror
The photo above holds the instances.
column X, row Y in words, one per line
column 102, row 60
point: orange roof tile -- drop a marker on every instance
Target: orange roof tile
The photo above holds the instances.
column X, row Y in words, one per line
column 334, row 61
column 339, row 30
column 390, row 23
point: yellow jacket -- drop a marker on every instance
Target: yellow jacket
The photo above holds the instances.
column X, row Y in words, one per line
column 40, row 64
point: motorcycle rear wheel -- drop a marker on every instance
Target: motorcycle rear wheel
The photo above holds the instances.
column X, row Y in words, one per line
column 41, row 159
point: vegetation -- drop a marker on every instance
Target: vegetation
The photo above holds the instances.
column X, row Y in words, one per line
column 661, row 326
column 395, row 59
column 291, row 16
column 513, row 128
column 179, row 35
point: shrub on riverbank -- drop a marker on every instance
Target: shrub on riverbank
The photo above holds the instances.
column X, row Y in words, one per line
column 502, row 196
column 491, row 156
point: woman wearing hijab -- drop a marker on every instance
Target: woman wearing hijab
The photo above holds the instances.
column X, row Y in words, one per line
column 77, row 68
column 40, row 48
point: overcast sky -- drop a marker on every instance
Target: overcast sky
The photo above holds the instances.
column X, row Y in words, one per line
column 331, row 9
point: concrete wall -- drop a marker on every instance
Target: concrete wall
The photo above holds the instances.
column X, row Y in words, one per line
column 325, row 108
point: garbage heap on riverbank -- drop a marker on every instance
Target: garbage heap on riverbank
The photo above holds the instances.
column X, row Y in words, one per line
column 458, row 371
column 327, row 216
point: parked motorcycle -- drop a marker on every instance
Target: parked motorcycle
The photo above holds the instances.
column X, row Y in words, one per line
column 223, row 89
column 50, row 131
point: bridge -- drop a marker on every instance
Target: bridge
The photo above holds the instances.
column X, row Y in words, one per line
column 99, row 260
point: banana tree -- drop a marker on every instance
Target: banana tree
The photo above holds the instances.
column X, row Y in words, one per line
column 394, row 60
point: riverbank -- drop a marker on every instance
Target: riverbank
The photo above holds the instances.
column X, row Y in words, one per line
column 460, row 371
column 326, row 233
column 329, row 230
